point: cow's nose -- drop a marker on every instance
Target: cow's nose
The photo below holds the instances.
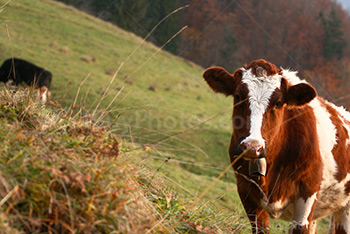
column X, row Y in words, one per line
column 252, row 149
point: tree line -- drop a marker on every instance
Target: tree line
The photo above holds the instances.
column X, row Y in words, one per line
column 310, row 36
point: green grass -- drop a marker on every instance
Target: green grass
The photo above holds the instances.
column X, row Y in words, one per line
column 181, row 98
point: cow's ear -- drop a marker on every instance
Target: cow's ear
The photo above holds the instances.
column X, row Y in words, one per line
column 221, row 81
column 300, row 94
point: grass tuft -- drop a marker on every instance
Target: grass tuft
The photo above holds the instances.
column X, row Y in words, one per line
column 61, row 175
column 64, row 174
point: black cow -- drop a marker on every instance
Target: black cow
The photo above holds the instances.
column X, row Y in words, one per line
column 20, row 71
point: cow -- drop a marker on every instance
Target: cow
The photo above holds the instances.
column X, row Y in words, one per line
column 17, row 71
column 292, row 148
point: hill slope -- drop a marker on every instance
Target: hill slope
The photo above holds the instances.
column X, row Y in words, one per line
column 160, row 97
column 60, row 174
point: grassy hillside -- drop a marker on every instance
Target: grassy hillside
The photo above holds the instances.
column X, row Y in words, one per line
column 160, row 97
column 158, row 103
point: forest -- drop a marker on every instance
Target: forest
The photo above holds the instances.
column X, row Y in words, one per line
column 311, row 36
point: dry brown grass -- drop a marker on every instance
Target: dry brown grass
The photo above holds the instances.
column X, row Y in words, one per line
column 66, row 177
column 65, row 174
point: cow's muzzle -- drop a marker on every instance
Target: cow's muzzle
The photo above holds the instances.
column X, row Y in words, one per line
column 252, row 150
column 255, row 153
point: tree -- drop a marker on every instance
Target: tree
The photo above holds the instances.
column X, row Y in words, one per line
column 127, row 14
column 157, row 10
column 334, row 42
column 284, row 32
column 210, row 37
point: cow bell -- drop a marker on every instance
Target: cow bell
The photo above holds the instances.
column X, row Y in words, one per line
column 257, row 167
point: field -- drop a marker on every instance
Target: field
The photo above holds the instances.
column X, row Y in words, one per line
column 141, row 115
column 155, row 103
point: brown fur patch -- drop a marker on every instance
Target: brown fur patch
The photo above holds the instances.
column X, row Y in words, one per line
column 347, row 188
column 255, row 65
column 291, row 140
column 340, row 230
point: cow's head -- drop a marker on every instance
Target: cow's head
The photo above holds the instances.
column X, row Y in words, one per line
column 261, row 96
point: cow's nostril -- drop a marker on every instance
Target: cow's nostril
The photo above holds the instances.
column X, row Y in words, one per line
column 243, row 147
column 259, row 151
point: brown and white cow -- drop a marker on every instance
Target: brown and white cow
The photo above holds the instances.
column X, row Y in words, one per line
column 304, row 142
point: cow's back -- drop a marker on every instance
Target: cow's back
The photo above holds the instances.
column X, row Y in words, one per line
column 26, row 72
column 20, row 70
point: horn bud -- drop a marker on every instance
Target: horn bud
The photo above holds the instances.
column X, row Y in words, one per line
column 260, row 72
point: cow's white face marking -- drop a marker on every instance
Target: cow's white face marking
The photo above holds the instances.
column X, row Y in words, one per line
column 260, row 90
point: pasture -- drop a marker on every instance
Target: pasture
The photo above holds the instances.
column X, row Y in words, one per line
column 139, row 114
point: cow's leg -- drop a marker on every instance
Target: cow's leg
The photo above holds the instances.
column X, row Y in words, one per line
column 303, row 211
column 342, row 220
column 260, row 221
column 259, row 218
column 331, row 225
column 313, row 226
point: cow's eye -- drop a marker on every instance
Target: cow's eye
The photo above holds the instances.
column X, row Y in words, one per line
column 237, row 98
column 278, row 104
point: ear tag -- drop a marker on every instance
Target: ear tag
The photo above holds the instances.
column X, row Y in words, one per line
column 257, row 167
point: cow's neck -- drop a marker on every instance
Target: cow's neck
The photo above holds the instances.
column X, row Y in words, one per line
column 286, row 151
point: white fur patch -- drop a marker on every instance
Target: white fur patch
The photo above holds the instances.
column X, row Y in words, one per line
column 331, row 197
column 260, row 90
column 344, row 116
column 43, row 94
column 44, row 97
column 326, row 132
column 292, row 77
column 275, row 209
